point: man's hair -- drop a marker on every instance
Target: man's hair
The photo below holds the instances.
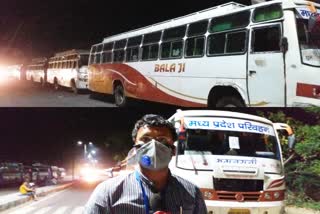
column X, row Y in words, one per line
column 153, row 120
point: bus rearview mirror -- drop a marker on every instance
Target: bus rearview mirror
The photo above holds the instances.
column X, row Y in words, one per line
column 291, row 141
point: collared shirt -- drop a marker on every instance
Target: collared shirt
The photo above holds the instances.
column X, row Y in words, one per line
column 123, row 194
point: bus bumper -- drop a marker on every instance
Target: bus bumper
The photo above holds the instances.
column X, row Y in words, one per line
column 226, row 207
column 82, row 84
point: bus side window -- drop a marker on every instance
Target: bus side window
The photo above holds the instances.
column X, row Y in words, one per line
column 177, row 49
column 118, row 55
column 132, row 51
column 216, row 43
column 195, row 47
column 154, row 51
column 173, row 42
column 106, row 57
column 165, row 50
column 171, row 49
column 97, row 58
column 135, row 54
column 150, row 48
column 196, row 39
column 236, row 42
column 145, row 52
column 132, row 54
column 266, row 39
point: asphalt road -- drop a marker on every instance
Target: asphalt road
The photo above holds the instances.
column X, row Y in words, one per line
column 73, row 200
column 20, row 93
column 69, row 201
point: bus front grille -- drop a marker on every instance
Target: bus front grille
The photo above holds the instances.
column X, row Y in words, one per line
column 237, row 185
column 235, row 196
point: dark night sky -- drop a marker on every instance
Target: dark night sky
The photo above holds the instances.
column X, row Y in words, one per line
column 49, row 26
column 50, row 134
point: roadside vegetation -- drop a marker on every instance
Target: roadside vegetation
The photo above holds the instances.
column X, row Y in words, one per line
column 303, row 163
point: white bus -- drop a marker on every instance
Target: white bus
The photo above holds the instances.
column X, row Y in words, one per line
column 37, row 70
column 69, row 69
column 14, row 71
column 261, row 55
column 235, row 159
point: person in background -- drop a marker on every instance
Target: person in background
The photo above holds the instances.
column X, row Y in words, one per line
column 27, row 189
column 150, row 188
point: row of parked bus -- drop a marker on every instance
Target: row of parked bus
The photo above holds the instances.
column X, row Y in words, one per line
column 12, row 173
column 64, row 69
column 262, row 55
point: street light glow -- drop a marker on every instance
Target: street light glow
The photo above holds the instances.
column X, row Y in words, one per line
column 90, row 143
column 79, row 143
column 93, row 152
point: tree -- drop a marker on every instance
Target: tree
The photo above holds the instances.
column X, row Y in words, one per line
column 303, row 171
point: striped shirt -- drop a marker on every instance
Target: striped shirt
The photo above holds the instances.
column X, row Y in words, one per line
column 123, row 194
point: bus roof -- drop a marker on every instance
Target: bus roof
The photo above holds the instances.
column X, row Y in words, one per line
column 215, row 113
column 213, row 11
column 72, row 52
column 39, row 60
column 219, row 10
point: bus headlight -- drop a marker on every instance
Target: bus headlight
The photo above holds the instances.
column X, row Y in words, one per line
column 208, row 195
column 276, row 195
column 267, row 196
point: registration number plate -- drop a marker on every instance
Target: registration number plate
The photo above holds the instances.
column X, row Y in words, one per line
column 239, row 211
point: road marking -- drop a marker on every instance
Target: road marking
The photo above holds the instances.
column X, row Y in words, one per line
column 77, row 210
column 48, row 197
column 23, row 210
column 61, row 210
column 44, row 210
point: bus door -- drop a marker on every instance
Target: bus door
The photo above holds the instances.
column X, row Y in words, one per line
column 266, row 81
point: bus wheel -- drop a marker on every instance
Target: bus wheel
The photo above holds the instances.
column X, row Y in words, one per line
column 119, row 96
column 229, row 102
column 74, row 87
column 55, row 85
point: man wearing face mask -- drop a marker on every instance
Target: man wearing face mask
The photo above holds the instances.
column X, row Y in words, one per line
column 150, row 188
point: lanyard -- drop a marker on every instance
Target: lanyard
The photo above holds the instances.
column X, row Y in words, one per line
column 145, row 197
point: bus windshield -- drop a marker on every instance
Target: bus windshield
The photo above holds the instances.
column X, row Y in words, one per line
column 309, row 39
column 84, row 60
column 233, row 144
